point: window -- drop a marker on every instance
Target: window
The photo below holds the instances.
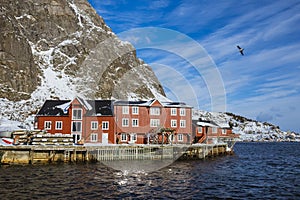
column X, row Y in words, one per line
column 47, row 125
column 125, row 122
column 214, row 130
column 180, row 137
column 135, row 110
column 173, row 123
column 199, row 129
column 94, row 125
column 173, row 111
column 135, row 122
column 58, row 125
column 76, row 137
column 94, row 137
column 155, row 111
column 77, row 114
column 76, row 126
column 125, row 109
column 182, row 111
column 123, row 137
column 105, row 125
column 182, row 123
column 133, row 137
column 154, row 122
column 224, row 131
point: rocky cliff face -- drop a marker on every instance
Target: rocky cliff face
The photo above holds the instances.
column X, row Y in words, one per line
column 63, row 48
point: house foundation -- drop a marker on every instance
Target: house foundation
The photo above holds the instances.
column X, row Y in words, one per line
column 30, row 154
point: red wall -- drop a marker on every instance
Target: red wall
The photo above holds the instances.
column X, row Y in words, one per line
column 88, row 131
column 65, row 120
column 115, row 123
column 144, row 122
column 86, row 124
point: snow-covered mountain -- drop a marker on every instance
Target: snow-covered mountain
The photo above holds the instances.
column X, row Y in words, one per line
column 59, row 49
column 248, row 129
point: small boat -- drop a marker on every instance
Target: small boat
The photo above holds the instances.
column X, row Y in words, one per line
column 6, row 142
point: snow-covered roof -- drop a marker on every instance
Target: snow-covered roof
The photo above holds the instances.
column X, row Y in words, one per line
column 151, row 101
column 54, row 108
column 60, row 107
column 175, row 104
column 206, row 124
column 85, row 103
column 64, row 107
column 223, row 124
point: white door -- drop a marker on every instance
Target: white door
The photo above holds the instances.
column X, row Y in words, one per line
column 76, row 137
column 104, row 138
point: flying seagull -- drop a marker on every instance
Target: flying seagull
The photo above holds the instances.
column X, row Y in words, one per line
column 240, row 49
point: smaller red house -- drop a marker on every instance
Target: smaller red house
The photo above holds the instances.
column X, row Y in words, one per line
column 91, row 121
column 209, row 132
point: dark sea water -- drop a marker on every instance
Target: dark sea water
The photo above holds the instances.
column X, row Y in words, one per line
column 255, row 171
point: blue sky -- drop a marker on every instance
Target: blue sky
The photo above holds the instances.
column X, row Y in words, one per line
column 263, row 85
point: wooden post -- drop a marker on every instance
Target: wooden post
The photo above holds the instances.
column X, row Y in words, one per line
column 75, row 156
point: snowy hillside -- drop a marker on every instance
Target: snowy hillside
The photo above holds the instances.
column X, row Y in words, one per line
column 249, row 130
column 62, row 49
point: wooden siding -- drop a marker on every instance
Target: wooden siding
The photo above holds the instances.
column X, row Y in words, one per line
column 115, row 129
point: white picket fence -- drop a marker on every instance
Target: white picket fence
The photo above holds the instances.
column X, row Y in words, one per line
column 136, row 152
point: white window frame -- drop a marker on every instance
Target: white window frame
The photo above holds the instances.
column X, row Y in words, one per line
column 214, row 130
column 94, row 125
column 76, row 137
column 135, row 122
column 173, row 123
column 155, row 111
column 182, row 112
column 133, row 137
column 105, row 125
column 125, row 122
column 124, row 137
column 125, row 109
column 200, row 129
column 75, row 117
column 47, row 125
column 173, row 111
column 180, row 137
column 224, row 131
column 94, row 137
column 154, row 122
column 58, row 125
column 182, row 123
column 135, row 110
column 75, row 122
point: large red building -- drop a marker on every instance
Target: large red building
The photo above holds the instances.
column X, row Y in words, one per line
column 110, row 122
column 153, row 121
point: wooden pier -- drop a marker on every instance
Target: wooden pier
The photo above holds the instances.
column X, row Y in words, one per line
column 35, row 154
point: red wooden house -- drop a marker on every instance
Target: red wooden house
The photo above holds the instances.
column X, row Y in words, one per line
column 91, row 121
column 145, row 122
column 212, row 132
column 110, row 122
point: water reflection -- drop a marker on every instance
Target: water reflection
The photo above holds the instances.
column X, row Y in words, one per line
column 138, row 166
